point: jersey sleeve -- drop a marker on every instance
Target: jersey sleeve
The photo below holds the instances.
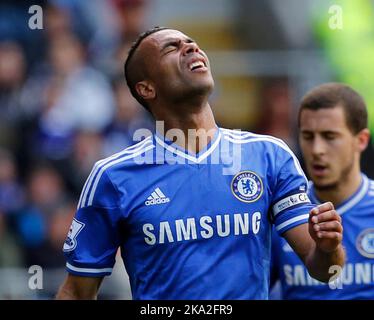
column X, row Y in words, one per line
column 93, row 238
column 290, row 205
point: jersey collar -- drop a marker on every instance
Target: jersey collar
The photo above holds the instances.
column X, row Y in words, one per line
column 178, row 150
column 351, row 201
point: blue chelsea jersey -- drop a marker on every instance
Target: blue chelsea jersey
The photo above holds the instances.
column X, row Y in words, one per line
column 357, row 277
column 189, row 226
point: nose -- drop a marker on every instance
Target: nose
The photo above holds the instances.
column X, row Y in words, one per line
column 318, row 146
column 190, row 47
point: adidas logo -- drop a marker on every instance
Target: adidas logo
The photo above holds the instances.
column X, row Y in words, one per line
column 157, row 197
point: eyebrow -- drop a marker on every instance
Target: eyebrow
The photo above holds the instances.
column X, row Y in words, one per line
column 170, row 41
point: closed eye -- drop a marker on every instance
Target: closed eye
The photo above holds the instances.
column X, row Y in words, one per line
column 170, row 46
column 307, row 135
column 330, row 135
column 173, row 44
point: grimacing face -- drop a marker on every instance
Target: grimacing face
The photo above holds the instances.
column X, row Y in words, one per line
column 176, row 65
column 329, row 147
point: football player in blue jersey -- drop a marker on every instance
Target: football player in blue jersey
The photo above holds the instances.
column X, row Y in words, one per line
column 191, row 223
column 333, row 134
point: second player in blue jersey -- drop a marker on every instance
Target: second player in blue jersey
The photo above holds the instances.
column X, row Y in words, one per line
column 332, row 156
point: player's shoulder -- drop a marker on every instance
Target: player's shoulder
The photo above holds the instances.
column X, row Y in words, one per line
column 123, row 161
column 104, row 175
column 126, row 156
column 371, row 184
column 246, row 137
column 370, row 191
column 365, row 194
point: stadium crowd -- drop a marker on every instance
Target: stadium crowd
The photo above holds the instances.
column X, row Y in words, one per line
column 63, row 105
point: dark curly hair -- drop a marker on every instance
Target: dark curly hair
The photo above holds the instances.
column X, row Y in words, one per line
column 129, row 68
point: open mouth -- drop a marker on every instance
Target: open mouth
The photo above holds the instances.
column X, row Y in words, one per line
column 197, row 65
column 319, row 169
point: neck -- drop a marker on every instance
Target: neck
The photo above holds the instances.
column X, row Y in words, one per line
column 342, row 190
column 191, row 130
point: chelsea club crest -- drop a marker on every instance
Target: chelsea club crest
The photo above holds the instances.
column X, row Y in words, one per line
column 365, row 243
column 247, row 186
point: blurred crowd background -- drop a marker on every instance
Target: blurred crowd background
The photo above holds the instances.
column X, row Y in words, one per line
column 64, row 103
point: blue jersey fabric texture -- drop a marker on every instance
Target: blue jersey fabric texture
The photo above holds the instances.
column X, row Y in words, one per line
column 357, row 277
column 189, row 226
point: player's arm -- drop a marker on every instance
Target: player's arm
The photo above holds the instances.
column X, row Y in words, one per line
column 93, row 238
column 319, row 242
column 79, row 288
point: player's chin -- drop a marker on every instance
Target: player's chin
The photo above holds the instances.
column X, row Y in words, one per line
column 323, row 183
column 202, row 86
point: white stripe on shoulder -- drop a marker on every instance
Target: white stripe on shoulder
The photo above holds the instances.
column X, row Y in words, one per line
column 293, row 220
column 88, row 270
column 99, row 163
column 136, row 145
column 238, row 134
column 112, row 163
column 279, row 142
column 246, row 134
column 140, row 146
column 93, row 172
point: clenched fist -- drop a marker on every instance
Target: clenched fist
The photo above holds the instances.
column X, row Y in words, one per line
column 325, row 227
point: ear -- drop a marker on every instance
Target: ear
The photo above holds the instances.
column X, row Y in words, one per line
column 363, row 138
column 146, row 90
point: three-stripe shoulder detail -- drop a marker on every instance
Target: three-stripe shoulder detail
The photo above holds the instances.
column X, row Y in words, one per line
column 243, row 137
column 100, row 166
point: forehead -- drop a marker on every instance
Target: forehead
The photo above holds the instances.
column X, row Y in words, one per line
column 329, row 119
column 157, row 39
